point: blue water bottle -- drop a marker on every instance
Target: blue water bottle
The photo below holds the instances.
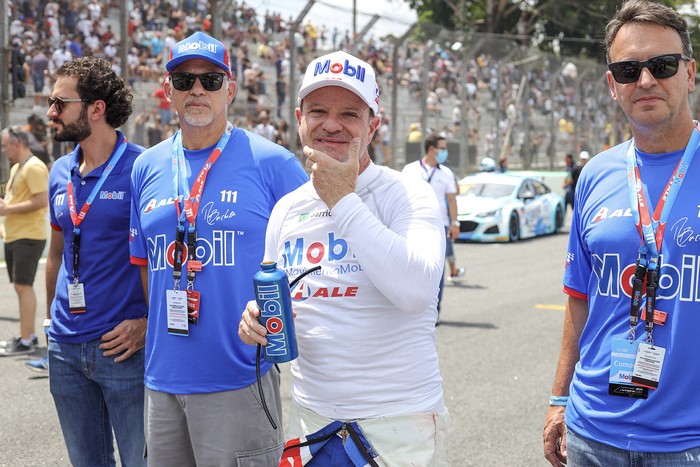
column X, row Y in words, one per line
column 274, row 300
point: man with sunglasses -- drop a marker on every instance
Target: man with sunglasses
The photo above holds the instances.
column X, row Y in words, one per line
column 96, row 305
column 625, row 390
column 365, row 325
column 23, row 231
column 202, row 199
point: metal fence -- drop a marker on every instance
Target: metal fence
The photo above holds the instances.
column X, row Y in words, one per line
column 495, row 97
column 489, row 95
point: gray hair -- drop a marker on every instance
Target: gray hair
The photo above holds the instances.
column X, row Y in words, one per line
column 17, row 134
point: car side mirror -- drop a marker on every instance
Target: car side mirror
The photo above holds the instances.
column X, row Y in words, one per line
column 528, row 195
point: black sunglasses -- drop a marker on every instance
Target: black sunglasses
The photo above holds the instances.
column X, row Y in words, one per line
column 660, row 67
column 211, row 81
column 59, row 102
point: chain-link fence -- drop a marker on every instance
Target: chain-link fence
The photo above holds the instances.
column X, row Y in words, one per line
column 496, row 97
column 489, row 95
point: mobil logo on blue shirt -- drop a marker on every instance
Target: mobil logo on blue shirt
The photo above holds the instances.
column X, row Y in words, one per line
column 336, row 68
column 302, row 251
column 678, row 279
column 218, row 250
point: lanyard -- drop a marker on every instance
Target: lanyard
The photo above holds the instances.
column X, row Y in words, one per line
column 651, row 229
column 427, row 173
column 78, row 217
column 187, row 204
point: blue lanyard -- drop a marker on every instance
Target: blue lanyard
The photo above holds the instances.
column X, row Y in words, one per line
column 179, row 169
column 78, row 217
column 651, row 227
column 187, row 205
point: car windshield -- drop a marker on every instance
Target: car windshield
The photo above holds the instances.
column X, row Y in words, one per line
column 486, row 190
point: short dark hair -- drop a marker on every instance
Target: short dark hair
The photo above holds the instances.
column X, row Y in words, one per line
column 646, row 12
column 432, row 141
column 98, row 82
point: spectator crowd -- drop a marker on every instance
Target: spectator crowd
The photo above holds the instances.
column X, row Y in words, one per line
column 484, row 87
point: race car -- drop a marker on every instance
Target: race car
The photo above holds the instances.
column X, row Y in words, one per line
column 501, row 207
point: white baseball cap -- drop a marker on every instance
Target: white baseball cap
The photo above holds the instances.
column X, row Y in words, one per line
column 344, row 70
column 584, row 156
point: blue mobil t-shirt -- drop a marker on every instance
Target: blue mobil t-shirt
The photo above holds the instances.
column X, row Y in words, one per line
column 112, row 285
column 241, row 188
column 603, row 249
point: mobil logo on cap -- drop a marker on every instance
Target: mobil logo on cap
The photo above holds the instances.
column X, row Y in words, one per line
column 337, row 68
column 197, row 45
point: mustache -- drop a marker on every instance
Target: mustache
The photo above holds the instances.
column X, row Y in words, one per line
column 197, row 100
column 332, row 136
column 52, row 125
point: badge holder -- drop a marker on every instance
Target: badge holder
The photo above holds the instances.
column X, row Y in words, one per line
column 650, row 358
column 193, row 266
column 624, row 351
column 635, row 367
column 76, row 291
column 176, row 299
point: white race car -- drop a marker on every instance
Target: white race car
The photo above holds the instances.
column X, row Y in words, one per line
column 498, row 207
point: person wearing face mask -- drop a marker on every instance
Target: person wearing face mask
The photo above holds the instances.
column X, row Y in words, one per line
column 431, row 168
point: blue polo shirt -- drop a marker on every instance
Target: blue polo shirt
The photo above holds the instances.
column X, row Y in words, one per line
column 249, row 177
column 603, row 249
column 113, row 289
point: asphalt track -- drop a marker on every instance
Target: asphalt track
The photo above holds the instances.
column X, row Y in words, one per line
column 498, row 345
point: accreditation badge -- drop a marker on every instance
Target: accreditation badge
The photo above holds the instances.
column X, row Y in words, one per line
column 622, row 358
column 193, row 301
column 76, row 297
column 647, row 366
column 176, row 301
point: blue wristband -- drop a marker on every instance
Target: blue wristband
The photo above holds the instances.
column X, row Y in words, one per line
column 558, row 400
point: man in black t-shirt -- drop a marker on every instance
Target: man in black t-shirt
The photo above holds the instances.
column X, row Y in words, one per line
column 576, row 171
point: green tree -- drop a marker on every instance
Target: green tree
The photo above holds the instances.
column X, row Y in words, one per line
column 579, row 24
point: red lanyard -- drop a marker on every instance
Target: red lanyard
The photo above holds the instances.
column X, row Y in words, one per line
column 191, row 203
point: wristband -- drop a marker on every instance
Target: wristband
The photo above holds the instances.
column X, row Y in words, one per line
column 456, row 223
column 47, row 322
column 558, row 400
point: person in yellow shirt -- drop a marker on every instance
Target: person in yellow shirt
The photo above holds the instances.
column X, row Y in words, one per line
column 415, row 135
column 24, row 231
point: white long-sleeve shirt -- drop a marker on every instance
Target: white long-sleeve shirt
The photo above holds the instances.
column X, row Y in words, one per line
column 365, row 323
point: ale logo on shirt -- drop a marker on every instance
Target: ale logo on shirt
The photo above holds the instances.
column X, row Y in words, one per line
column 302, row 292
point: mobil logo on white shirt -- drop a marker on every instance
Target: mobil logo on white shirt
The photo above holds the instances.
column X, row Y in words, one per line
column 303, row 251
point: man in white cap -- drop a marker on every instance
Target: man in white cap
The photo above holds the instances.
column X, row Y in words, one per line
column 367, row 366
column 200, row 206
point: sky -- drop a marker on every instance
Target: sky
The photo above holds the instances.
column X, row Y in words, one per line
column 396, row 16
